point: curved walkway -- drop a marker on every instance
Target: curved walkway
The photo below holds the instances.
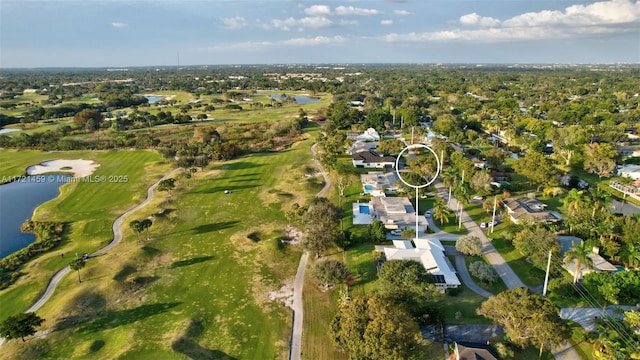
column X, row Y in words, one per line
column 461, row 266
column 295, row 350
column 117, row 237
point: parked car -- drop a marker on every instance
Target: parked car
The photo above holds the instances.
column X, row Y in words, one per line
column 484, row 225
column 427, row 213
column 396, row 232
column 477, row 197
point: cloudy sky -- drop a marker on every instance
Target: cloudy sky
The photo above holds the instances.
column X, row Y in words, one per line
column 119, row 33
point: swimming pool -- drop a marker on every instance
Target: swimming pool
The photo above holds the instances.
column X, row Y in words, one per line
column 364, row 209
column 368, row 188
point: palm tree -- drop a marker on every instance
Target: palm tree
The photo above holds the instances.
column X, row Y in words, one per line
column 76, row 265
column 145, row 225
column 574, row 200
column 448, row 178
column 136, row 226
column 441, row 212
column 630, row 256
column 600, row 199
column 463, row 195
column 579, row 253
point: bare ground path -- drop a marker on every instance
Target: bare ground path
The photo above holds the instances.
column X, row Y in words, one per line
column 295, row 351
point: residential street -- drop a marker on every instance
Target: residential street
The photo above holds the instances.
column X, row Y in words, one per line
column 503, row 269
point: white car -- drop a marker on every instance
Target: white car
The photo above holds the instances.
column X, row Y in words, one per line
column 484, row 225
column 478, row 197
column 427, row 213
column 396, row 232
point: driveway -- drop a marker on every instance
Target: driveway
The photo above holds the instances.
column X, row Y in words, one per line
column 501, row 267
column 586, row 316
column 471, row 333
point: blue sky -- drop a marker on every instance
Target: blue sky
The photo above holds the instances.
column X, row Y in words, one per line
column 120, row 33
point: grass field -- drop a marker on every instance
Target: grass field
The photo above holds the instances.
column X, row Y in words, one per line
column 88, row 209
column 200, row 287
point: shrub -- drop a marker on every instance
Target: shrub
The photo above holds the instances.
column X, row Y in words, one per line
column 469, row 245
column 483, row 272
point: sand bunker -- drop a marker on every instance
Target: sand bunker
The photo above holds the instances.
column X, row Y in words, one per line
column 78, row 167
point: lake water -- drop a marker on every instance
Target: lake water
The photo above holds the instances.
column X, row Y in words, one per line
column 6, row 131
column 154, row 99
column 300, row 99
column 17, row 202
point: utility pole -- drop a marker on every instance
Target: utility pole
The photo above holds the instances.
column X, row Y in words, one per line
column 546, row 277
column 493, row 217
column 460, row 204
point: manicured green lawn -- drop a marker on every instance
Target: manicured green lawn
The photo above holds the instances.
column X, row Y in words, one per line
column 200, row 267
column 526, row 272
column 88, row 209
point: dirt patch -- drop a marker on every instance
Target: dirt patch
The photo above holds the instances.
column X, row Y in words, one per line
column 284, row 294
column 294, row 235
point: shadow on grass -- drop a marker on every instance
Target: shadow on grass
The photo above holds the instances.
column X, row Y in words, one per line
column 231, row 188
column 124, row 272
column 189, row 347
column 150, row 250
column 240, row 165
column 114, row 319
column 96, row 345
column 187, row 262
column 206, row 228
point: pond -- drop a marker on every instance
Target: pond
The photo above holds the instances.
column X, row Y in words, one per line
column 18, row 199
column 300, row 99
column 6, row 131
column 154, row 99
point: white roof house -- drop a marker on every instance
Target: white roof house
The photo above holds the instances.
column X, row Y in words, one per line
column 430, row 253
column 371, row 159
column 377, row 182
column 630, row 171
column 369, row 135
column 398, row 213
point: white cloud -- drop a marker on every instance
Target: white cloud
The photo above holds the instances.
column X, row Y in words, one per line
column 386, row 22
column 599, row 13
column 313, row 22
column 317, row 10
column 237, row 22
column 318, row 40
column 350, row 10
column 605, row 17
column 401, row 12
column 475, row 19
column 345, row 22
column 119, row 25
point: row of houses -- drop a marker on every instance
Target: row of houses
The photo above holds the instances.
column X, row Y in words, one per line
column 398, row 213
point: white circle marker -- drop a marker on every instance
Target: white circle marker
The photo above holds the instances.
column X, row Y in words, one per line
column 437, row 168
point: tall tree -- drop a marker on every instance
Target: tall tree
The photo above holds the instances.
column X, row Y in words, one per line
column 145, row 225
column 329, row 272
column 167, row 185
column 538, row 169
column 321, row 224
column 536, row 242
column 580, row 254
column 136, row 226
column 19, row 326
column 76, row 265
column 374, row 328
column 376, row 231
column 528, row 319
column 600, row 159
column 408, row 282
